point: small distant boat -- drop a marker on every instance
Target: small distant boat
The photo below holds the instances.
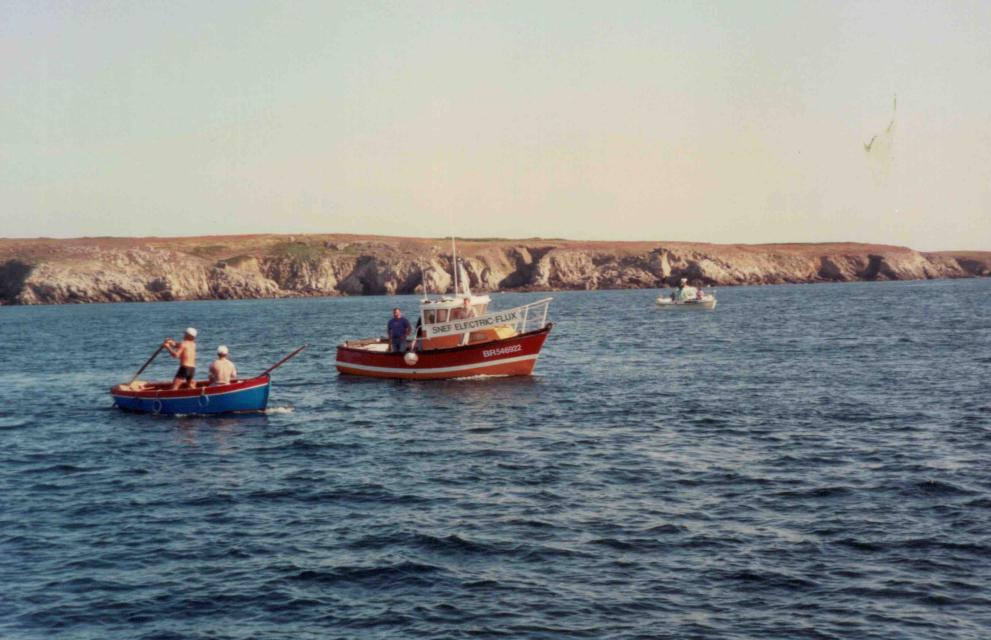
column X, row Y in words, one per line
column 707, row 302
column 695, row 299
column 158, row 397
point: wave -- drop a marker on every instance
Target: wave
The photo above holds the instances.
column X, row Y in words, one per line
column 770, row 580
column 915, row 544
column 938, row 488
column 815, row 493
column 60, row 468
column 384, row 576
column 280, row 410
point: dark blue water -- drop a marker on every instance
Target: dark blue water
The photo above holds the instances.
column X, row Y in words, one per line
column 804, row 462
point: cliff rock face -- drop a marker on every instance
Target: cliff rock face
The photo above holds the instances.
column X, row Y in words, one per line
column 117, row 269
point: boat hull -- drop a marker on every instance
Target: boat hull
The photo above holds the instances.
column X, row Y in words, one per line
column 516, row 356
column 241, row 396
column 705, row 303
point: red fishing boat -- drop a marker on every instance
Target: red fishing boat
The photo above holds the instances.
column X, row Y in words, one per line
column 456, row 337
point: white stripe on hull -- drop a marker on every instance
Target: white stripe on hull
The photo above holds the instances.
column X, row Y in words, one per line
column 460, row 367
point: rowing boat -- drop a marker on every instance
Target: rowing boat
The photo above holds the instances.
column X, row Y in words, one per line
column 159, row 397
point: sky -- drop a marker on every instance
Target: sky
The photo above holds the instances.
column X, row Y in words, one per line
column 699, row 121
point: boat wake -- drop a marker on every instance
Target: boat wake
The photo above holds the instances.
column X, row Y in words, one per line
column 278, row 410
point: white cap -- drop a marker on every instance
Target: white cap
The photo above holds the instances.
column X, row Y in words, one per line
column 222, row 350
column 191, row 332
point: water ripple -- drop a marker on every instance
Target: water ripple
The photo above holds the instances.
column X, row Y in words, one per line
column 805, row 462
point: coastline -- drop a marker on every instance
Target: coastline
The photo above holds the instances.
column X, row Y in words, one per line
column 92, row 270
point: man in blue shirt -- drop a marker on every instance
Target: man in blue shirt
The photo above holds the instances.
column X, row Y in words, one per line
column 398, row 329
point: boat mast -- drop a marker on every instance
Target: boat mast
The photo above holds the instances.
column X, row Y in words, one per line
column 454, row 265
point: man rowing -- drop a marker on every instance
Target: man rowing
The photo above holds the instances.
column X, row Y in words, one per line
column 186, row 354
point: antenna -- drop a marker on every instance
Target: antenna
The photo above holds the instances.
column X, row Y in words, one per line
column 454, row 265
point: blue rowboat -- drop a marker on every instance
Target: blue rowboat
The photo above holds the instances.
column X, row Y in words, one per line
column 157, row 397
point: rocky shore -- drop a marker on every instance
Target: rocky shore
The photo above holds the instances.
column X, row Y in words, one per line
column 46, row 271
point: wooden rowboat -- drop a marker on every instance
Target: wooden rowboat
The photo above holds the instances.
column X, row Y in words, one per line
column 158, row 397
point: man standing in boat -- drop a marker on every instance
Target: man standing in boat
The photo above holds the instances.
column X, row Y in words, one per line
column 398, row 330
column 466, row 311
column 222, row 371
column 186, row 353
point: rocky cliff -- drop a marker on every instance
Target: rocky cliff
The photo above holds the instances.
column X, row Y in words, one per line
column 44, row 271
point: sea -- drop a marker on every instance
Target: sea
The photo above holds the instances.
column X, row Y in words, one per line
column 805, row 461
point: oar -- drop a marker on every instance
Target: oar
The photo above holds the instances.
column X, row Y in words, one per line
column 148, row 362
column 282, row 362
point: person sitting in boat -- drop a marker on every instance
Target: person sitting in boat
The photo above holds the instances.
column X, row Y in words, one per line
column 398, row 330
column 684, row 292
column 186, row 354
column 222, row 371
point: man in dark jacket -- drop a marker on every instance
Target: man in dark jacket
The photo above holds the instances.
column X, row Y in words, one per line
column 398, row 330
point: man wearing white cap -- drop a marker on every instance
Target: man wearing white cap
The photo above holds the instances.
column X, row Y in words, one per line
column 186, row 352
column 222, row 371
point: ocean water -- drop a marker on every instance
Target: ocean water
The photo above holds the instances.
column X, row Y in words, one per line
column 804, row 462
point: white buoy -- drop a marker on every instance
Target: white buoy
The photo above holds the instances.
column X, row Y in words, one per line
column 411, row 358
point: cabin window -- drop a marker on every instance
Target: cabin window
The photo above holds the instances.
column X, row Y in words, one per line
column 428, row 317
column 442, row 315
column 458, row 313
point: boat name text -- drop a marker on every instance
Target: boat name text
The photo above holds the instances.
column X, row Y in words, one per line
column 488, row 353
column 473, row 324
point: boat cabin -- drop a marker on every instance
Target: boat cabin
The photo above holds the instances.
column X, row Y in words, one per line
column 448, row 310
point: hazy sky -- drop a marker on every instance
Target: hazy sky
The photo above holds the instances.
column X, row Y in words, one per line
column 722, row 122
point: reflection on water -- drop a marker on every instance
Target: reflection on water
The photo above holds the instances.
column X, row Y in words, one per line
column 218, row 429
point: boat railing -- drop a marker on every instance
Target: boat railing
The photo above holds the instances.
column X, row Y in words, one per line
column 534, row 316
